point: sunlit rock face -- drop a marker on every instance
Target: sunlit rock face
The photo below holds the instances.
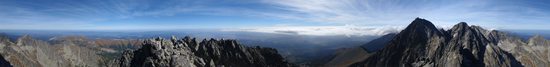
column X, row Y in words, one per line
column 188, row 52
column 29, row 52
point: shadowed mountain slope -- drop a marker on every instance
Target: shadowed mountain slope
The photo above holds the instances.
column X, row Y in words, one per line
column 422, row 44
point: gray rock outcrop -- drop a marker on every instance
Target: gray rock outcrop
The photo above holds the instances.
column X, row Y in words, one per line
column 187, row 52
column 29, row 52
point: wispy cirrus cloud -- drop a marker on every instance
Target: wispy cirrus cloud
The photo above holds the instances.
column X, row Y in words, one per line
column 132, row 14
column 92, row 14
column 491, row 13
column 379, row 17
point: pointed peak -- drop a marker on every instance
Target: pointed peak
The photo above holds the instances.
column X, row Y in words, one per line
column 212, row 39
column 417, row 18
column 538, row 40
column 4, row 37
column 537, row 36
column 25, row 37
column 460, row 26
column 187, row 37
column 420, row 28
column 158, row 38
column 421, row 23
column 204, row 40
column 173, row 38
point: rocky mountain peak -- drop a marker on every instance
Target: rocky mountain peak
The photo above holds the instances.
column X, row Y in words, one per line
column 25, row 38
column 420, row 29
column 187, row 52
column 421, row 44
column 460, row 27
column 28, row 40
column 538, row 40
column 421, row 24
column 463, row 31
column 461, row 24
column 537, row 37
column 4, row 38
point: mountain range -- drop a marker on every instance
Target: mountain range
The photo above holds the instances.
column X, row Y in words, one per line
column 188, row 52
column 421, row 44
column 75, row 51
column 306, row 49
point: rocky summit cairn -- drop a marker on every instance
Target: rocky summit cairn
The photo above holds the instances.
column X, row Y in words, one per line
column 188, row 52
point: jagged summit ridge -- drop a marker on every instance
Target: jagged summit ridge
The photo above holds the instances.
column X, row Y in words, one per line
column 420, row 24
column 154, row 52
column 422, row 44
column 421, row 28
column 188, row 52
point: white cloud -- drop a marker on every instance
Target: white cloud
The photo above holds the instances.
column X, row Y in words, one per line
column 347, row 30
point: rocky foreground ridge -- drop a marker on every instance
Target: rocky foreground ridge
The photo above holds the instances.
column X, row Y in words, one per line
column 29, row 52
column 188, row 52
column 72, row 51
column 421, row 44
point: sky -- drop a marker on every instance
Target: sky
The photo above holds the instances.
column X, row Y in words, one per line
column 301, row 16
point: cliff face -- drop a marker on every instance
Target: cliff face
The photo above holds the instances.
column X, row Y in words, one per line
column 187, row 52
column 422, row 44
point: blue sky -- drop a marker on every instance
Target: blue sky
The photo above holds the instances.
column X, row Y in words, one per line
column 226, row 14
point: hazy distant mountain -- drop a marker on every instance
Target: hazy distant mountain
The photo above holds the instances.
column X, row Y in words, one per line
column 347, row 56
column 378, row 43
